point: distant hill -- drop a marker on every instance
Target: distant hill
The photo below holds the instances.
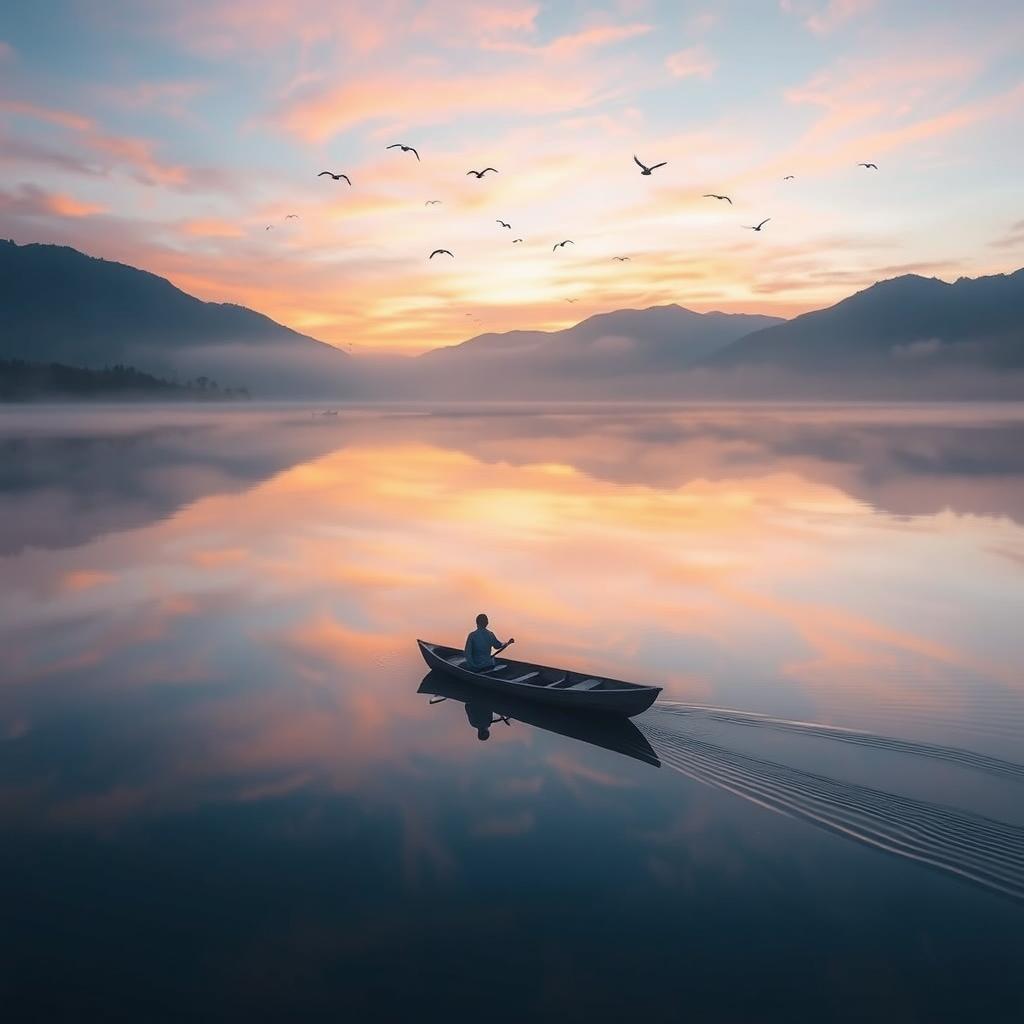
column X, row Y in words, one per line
column 59, row 305
column 626, row 353
column 910, row 333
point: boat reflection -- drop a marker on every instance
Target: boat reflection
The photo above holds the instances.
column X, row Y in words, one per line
column 485, row 709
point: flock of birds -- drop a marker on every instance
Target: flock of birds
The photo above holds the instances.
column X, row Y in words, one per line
column 645, row 170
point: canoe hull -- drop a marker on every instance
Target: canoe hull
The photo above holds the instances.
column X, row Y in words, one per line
column 617, row 697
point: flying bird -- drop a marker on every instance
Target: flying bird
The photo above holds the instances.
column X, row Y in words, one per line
column 503, row 223
column 875, row 166
column 788, row 177
column 711, row 195
column 336, row 177
column 514, row 240
column 644, row 169
column 572, row 300
column 291, row 216
column 432, row 202
column 404, row 149
column 558, row 245
column 480, row 174
column 437, row 252
column 621, row 259
column 757, row 227
column 269, row 227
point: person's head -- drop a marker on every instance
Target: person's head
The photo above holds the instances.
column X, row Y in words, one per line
column 481, row 621
column 483, row 734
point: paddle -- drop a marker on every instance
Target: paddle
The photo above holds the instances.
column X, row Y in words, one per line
column 507, row 643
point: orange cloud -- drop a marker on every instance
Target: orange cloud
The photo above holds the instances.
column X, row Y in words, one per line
column 28, row 200
column 83, row 579
column 68, row 206
column 211, row 227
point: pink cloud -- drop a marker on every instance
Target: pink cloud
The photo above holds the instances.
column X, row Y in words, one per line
column 137, row 155
column 424, row 100
column 478, row 21
column 576, row 43
column 222, row 27
column 883, row 105
column 499, row 19
column 692, row 62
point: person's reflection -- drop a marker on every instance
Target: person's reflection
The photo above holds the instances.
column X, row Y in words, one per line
column 481, row 717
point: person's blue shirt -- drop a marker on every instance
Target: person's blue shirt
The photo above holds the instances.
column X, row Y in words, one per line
column 479, row 645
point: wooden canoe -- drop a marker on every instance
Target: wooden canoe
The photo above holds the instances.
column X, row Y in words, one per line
column 560, row 687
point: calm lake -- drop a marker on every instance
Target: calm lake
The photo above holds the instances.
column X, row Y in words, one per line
column 225, row 792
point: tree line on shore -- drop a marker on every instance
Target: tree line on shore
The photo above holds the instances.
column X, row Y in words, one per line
column 21, row 380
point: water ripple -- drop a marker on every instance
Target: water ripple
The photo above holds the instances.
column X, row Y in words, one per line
column 978, row 849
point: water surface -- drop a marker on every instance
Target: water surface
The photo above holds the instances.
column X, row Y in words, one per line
column 224, row 792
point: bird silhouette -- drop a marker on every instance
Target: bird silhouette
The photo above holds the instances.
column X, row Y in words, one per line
column 291, row 216
column 869, row 166
column 503, row 223
column 514, row 240
column 558, row 245
column 757, row 227
column 572, row 300
column 432, row 202
column 644, row 169
column 437, row 252
column 480, row 174
column 788, row 177
column 711, row 195
column 336, row 177
column 269, row 227
column 404, row 149
column 621, row 259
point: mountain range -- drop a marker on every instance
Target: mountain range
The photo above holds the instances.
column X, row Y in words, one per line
column 898, row 333
column 906, row 337
column 59, row 305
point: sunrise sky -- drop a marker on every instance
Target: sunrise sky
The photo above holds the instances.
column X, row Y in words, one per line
column 169, row 135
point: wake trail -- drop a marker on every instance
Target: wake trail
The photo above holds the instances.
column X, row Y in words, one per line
column 978, row 849
column 952, row 755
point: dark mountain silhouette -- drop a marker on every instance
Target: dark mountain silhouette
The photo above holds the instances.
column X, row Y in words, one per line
column 629, row 352
column 905, row 329
column 61, row 306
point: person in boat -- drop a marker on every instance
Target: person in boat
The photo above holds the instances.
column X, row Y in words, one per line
column 479, row 645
